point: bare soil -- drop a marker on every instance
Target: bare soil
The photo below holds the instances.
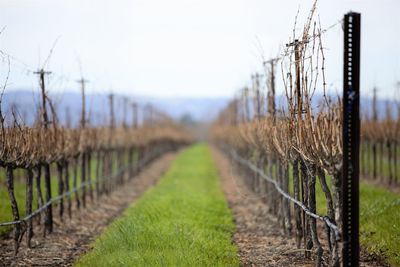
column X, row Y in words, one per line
column 258, row 235
column 73, row 237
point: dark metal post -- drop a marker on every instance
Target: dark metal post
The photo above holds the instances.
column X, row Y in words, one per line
column 351, row 139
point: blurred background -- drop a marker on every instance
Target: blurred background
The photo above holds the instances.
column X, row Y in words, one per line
column 187, row 57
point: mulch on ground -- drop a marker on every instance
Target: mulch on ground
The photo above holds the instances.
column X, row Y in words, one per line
column 73, row 237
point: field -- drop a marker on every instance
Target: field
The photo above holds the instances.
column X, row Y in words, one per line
column 150, row 148
column 174, row 224
column 183, row 221
column 186, row 215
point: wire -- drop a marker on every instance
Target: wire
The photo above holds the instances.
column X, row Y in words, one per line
column 308, row 39
column 146, row 159
column 325, row 219
column 28, row 70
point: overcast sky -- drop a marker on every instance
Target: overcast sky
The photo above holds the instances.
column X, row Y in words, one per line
column 183, row 47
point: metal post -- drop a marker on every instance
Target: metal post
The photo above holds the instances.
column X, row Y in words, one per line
column 351, row 139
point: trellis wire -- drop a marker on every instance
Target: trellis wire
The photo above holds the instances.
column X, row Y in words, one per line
column 325, row 219
column 143, row 162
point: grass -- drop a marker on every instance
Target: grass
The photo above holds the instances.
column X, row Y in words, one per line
column 166, row 225
column 183, row 221
column 380, row 222
column 5, row 205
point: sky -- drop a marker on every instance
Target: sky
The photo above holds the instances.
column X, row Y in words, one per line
column 190, row 48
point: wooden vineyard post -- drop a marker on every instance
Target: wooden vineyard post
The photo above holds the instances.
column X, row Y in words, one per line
column 375, row 120
column 110, row 155
column 351, row 140
column 48, row 221
column 134, row 115
column 28, row 205
column 14, row 207
column 82, row 82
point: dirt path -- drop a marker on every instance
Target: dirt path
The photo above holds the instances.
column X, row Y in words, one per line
column 73, row 237
column 258, row 236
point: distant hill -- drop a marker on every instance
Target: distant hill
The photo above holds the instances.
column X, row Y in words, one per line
column 185, row 108
column 26, row 102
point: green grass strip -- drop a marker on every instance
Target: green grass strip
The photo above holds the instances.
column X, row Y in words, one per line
column 380, row 222
column 183, row 221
